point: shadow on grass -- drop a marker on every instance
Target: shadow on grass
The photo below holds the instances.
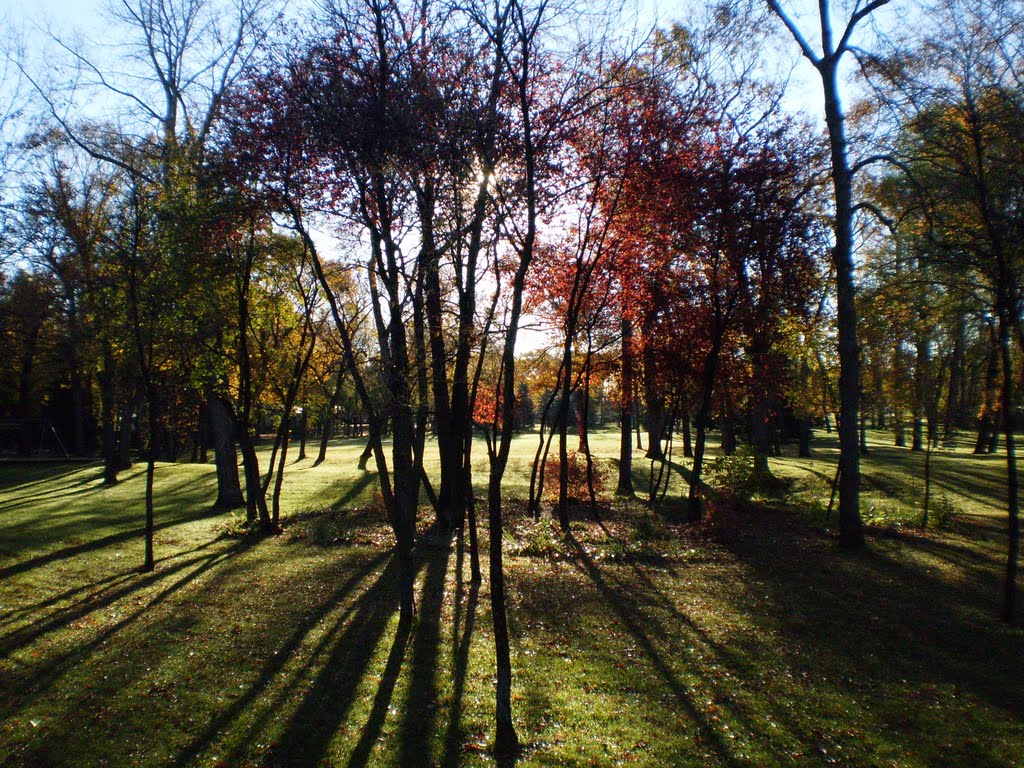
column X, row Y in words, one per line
column 454, row 736
column 100, row 543
column 46, row 529
column 421, row 704
column 624, row 607
column 307, row 735
column 357, row 488
column 43, row 675
column 35, row 475
column 887, row 616
column 356, row 631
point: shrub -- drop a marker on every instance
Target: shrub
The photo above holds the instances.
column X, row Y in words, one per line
column 577, row 486
column 537, row 538
column 943, row 512
column 738, row 476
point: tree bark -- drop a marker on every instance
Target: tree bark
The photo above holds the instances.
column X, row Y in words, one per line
column 107, row 406
column 625, row 484
column 653, row 398
column 1009, row 612
column 327, row 423
column 229, row 489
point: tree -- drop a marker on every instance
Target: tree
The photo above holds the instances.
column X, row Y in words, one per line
column 962, row 125
column 833, row 48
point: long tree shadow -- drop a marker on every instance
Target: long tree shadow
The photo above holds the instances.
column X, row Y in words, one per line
column 421, row 704
column 279, row 658
column 906, row 623
column 105, row 597
column 42, row 676
column 37, row 474
column 356, row 489
column 96, row 588
column 454, row 736
column 100, row 543
column 382, row 698
column 634, row 623
column 315, row 722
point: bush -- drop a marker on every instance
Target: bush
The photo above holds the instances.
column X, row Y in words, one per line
column 943, row 513
column 537, row 538
column 738, row 476
column 577, row 486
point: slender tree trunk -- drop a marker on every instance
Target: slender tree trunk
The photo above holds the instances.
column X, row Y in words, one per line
column 275, row 499
column 255, row 497
column 540, row 457
column 447, row 428
column 150, row 563
column 328, row 417
column 124, row 438
column 653, row 398
column 303, row 423
column 922, row 373
column 952, row 416
column 1009, row 612
column 229, row 489
column 851, row 534
column 562, row 511
column 625, row 485
column 695, row 509
column 987, row 419
column 107, row 389
column 584, row 441
column 442, row 521
column 364, row 457
column 761, row 417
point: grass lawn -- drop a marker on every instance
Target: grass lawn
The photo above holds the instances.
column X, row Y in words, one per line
column 636, row 640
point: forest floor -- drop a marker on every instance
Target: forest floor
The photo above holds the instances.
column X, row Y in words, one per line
column 747, row 641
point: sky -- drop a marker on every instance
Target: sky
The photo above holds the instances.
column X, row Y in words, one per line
column 85, row 16
column 72, row 17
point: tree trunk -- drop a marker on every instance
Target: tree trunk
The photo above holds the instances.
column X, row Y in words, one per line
column 124, row 438
column 327, row 423
column 107, row 390
column 625, row 485
column 695, row 509
column 761, row 415
column 150, row 563
column 653, row 397
column 275, row 499
column 562, row 511
column 1009, row 612
column 450, row 509
column 303, row 423
column 255, row 497
column 851, row 534
column 987, row 420
column 229, row 489
column 804, row 427
column 954, row 408
column 364, row 457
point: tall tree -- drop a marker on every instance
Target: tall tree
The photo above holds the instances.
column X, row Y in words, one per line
column 958, row 93
column 826, row 61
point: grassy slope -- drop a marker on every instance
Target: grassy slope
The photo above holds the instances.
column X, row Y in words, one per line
column 749, row 643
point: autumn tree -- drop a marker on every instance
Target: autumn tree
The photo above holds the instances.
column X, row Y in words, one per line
column 835, row 42
column 958, row 93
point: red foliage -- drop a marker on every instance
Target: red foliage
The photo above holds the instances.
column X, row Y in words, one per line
column 577, row 484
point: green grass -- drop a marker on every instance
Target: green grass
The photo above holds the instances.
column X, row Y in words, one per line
column 636, row 640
